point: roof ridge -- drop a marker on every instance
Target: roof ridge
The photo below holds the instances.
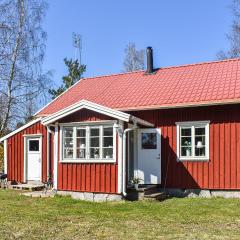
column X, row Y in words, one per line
column 202, row 63
column 114, row 74
column 177, row 66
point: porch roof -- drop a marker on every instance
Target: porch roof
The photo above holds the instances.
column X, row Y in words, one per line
column 83, row 104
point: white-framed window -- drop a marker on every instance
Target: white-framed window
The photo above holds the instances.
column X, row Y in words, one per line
column 88, row 143
column 193, row 140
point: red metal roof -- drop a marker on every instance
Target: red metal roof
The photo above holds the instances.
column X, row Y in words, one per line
column 187, row 85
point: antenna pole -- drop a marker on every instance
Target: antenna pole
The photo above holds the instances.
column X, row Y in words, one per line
column 77, row 44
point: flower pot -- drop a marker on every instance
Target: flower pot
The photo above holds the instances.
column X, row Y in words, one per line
column 136, row 186
column 96, row 156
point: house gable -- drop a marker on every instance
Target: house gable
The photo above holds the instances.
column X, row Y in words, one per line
column 112, row 113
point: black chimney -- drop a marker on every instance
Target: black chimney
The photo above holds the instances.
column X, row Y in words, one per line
column 149, row 60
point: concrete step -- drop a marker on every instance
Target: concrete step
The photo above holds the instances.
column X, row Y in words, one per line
column 157, row 196
column 29, row 186
column 153, row 192
column 151, row 189
column 40, row 194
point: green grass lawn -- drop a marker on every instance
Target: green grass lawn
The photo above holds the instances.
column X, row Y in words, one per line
column 64, row 218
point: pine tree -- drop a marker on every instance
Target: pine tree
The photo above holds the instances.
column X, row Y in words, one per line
column 75, row 71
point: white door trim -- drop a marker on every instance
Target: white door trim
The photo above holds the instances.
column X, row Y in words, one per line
column 25, row 165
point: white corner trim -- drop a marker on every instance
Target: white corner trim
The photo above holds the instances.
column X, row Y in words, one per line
column 55, row 158
column 48, row 152
column 5, row 156
column 120, row 155
column 20, row 129
column 207, row 140
column 25, row 160
column 87, row 105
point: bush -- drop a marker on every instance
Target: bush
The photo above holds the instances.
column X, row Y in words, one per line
column 1, row 158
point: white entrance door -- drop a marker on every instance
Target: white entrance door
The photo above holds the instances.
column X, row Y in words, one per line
column 34, row 161
column 149, row 155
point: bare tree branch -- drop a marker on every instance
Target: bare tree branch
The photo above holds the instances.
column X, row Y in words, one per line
column 22, row 46
column 134, row 59
column 234, row 35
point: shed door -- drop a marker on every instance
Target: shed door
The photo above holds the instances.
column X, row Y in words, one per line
column 34, row 161
column 149, row 155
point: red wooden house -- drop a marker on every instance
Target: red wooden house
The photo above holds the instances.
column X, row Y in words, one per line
column 178, row 127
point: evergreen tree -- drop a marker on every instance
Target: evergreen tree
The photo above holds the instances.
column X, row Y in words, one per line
column 75, row 71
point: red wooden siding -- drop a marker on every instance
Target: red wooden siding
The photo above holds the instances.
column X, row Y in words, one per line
column 16, row 152
column 223, row 169
column 221, row 172
column 87, row 177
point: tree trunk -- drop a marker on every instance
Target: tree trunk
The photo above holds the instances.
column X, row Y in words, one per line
column 13, row 66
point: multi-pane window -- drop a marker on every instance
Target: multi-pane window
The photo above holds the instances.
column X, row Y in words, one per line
column 94, row 142
column 193, row 140
column 88, row 142
column 68, row 143
column 108, row 142
column 81, row 143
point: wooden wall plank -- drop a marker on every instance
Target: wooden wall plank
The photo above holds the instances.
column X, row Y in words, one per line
column 221, row 172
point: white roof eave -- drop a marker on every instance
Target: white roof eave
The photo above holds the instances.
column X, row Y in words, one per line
column 20, row 129
column 83, row 104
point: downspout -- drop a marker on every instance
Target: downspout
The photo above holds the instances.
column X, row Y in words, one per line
column 49, row 131
column 124, row 158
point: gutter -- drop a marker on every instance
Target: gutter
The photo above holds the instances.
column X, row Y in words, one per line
column 124, row 191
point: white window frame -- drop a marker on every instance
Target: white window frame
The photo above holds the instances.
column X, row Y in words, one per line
column 193, row 125
column 87, row 126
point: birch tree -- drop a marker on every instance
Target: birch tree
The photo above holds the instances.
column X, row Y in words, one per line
column 22, row 46
column 234, row 35
column 134, row 59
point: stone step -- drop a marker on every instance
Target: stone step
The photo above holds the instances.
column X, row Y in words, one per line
column 151, row 189
column 157, row 195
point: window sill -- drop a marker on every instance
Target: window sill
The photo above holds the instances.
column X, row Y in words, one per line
column 193, row 159
column 89, row 161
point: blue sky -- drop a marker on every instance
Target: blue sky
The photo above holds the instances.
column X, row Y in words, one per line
column 180, row 32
